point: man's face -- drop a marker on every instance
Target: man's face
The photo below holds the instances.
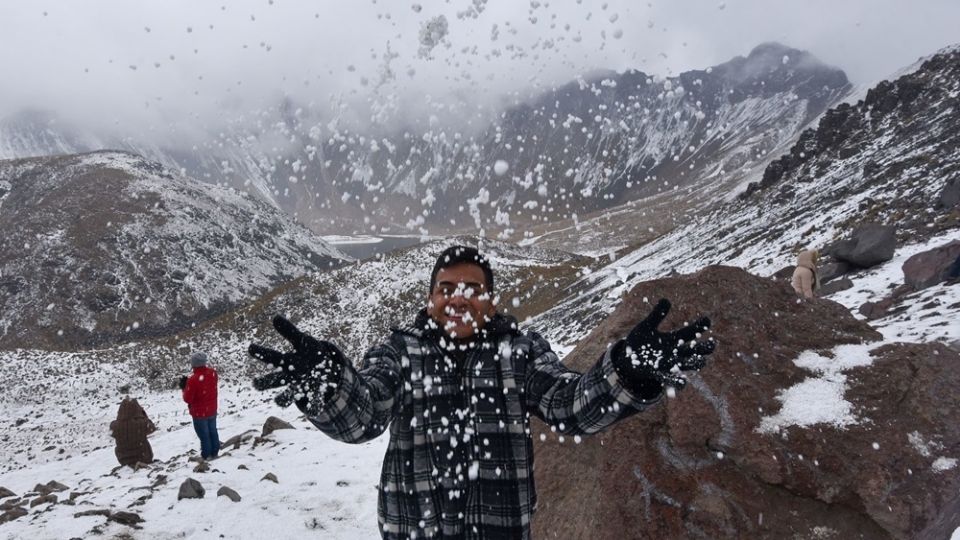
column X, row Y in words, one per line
column 460, row 303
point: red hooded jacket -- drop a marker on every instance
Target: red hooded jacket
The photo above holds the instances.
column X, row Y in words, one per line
column 200, row 393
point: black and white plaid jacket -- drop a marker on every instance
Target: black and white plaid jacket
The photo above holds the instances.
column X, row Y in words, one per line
column 460, row 459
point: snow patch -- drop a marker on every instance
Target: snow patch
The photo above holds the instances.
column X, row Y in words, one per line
column 944, row 464
column 819, row 400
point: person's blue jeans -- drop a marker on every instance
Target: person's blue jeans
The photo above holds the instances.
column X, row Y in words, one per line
column 206, row 429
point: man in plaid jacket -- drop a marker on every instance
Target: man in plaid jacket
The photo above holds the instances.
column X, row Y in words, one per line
column 456, row 389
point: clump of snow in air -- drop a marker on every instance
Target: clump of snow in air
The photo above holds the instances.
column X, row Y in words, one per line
column 500, row 167
column 786, row 59
column 432, row 33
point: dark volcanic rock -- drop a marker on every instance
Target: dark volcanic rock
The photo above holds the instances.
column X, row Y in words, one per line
column 272, row 424
column 271, row 477
column 785, row 273
column 832, row 270
column 12, row 514
column 191, row 489
column 699, row 465
column 228, row 493
column 868, row 246
column 125, row 518
column 97, row 512
column 950, row 194
column 237, row 440
column 875, row 310
column 44, row 499
column 835, row 286
column 49, row 487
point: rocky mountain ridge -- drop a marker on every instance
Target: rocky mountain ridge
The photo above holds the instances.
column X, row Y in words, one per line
column 888, row 160
column 633, row 135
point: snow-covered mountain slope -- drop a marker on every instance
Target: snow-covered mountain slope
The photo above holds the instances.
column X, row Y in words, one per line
column 353, row 306
column 356, row 305
column 594, row 143
column 324, row 487
column 108, row 247
column 884, row 160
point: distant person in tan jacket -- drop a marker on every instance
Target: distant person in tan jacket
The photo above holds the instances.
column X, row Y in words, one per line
column 805, row 280
column 130, row 429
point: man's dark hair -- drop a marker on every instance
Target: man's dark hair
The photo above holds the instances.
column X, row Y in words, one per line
column 454, row 255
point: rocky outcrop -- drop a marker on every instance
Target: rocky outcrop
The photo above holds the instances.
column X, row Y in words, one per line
column 732, row 456
column 893, row 155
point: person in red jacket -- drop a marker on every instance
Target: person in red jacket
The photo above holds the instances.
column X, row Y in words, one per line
column 200, row 393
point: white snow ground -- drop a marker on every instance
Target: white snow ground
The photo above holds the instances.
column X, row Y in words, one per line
column 326, row 489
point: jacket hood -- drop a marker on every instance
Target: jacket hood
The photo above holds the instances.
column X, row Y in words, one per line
column 130, row 408
column 808, row 259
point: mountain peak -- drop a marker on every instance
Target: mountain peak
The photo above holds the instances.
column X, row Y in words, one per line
column 772, row 67
column 772, row 48
column 772, row 56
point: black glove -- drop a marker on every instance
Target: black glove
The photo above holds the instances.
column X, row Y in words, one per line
column 648, row 360
column 182, row 383
column 311, row 371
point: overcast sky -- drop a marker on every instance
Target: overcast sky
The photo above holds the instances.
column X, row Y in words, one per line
column 171, row 62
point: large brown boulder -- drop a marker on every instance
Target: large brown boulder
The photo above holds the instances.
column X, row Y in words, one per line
column 871, row 458
column 930, row 267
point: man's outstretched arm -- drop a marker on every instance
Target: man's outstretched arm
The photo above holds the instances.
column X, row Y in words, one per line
column 348, row 405
column 629, row 376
